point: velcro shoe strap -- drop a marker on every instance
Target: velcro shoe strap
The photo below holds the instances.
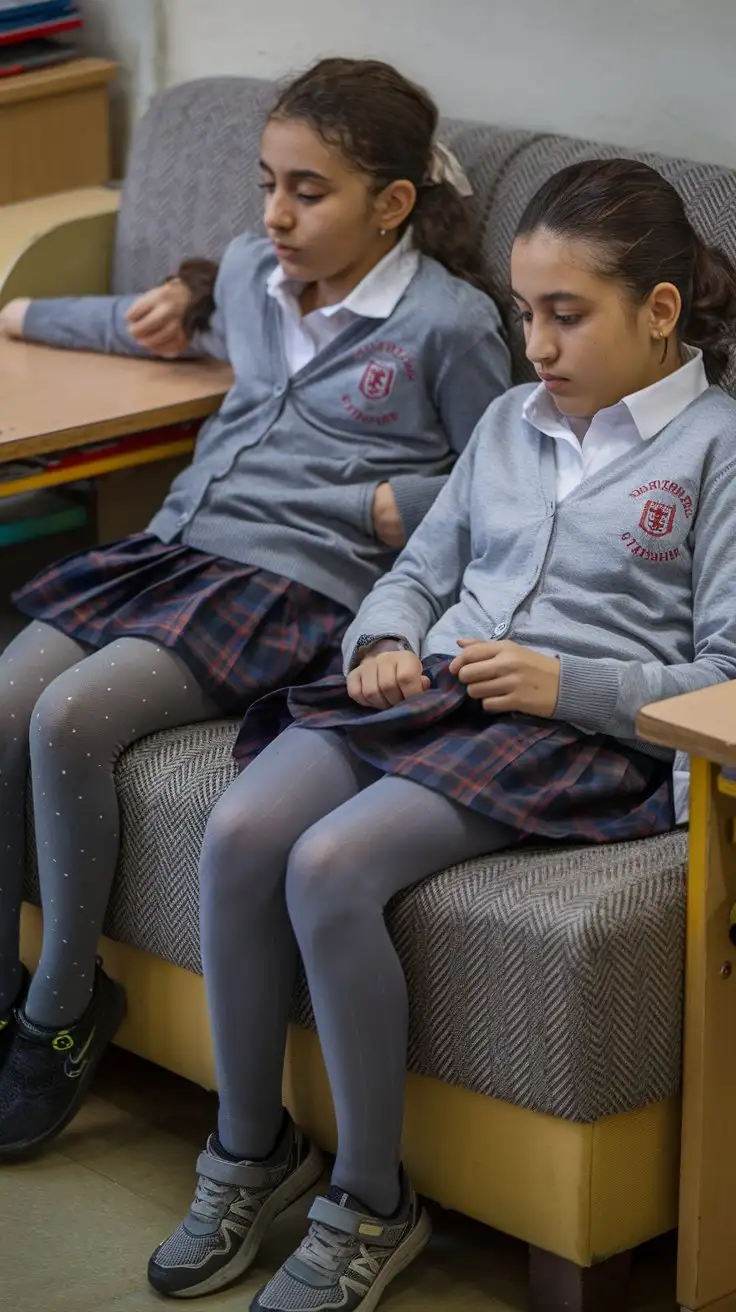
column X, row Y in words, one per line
column 325, row 1212
column 241, row 1175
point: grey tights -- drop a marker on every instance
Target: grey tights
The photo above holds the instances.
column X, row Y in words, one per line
column 80, row 711
column 302, row 854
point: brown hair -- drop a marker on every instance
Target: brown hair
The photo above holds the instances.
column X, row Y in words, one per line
column 637, row 221
column 199, row 276
column 384, row 126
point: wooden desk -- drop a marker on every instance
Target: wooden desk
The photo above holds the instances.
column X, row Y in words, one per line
column 54, row 401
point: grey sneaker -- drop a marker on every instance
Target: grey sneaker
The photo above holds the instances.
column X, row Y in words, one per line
column 348, row 1258
column 234, row 1206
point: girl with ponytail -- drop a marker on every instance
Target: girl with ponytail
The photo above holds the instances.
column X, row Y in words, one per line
column 634, row 226
column 365, row 349
column 580, row 563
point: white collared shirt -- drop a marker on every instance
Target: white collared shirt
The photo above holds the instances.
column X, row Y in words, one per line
column 376, row 297
column 636, row 419
column 610, row 432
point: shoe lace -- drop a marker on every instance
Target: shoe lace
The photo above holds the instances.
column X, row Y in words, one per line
column 325, row 1249
column 212, row 1200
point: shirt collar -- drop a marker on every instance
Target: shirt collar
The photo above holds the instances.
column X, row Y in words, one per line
column 651, row 409
column 376, row 297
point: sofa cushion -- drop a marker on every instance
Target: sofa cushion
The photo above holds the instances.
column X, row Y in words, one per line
column 550, row 980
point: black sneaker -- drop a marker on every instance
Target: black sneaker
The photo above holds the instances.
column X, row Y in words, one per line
column 7, row 1018
column 47, row 1073
column 234, row 1206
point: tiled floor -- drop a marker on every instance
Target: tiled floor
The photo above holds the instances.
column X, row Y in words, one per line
column 77, row 1225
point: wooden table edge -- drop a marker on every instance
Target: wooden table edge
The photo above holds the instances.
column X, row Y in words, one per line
column 683, row 738
column 81, row 435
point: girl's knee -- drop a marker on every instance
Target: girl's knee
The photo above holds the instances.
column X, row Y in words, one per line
column 323, row 885
column 20, row 696
column 240, row 848
column 62, row 714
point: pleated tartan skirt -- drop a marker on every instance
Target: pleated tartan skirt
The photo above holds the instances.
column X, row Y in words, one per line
column 240, row 630
column 541, row 777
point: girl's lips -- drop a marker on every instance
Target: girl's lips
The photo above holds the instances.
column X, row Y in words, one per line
column 553, row 382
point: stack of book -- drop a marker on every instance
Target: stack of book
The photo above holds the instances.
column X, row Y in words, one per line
column 36, row 33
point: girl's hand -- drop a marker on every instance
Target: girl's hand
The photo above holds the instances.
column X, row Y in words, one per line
column 387, row 679
column 12, row 318
column 387, row 524
column 155, row 319
column 506, row 677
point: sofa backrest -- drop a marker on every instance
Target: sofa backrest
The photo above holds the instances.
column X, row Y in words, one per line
column 192, row 181
column 192, row 178
column 193, row 175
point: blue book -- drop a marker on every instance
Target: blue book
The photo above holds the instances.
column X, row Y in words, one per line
column 23, row 14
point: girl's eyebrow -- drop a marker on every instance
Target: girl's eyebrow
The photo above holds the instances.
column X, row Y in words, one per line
column 300, row 175
column 549, row 296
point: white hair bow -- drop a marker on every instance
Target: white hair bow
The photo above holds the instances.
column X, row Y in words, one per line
column 444, row 166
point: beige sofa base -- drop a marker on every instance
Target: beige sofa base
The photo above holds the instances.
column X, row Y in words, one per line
column 583, row 1192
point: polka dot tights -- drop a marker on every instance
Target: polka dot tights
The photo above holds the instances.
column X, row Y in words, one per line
column 72, row 711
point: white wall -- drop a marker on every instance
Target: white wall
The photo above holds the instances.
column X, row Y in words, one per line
column 656, row 73
column 125, row 30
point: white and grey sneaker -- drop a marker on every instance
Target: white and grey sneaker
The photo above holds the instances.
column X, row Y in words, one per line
column 348, row 1258
column 233, row 1208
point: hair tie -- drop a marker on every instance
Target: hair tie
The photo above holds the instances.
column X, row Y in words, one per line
column 444, row 166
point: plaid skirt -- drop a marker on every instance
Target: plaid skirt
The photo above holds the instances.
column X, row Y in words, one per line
column 240, row 630
column 539, row 776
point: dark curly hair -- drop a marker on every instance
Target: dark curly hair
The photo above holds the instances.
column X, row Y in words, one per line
column 384, row 126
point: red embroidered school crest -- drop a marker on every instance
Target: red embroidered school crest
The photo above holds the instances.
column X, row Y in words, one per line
column 658, row 518
column 384, row 366
column 665, row 511
column 378, row 380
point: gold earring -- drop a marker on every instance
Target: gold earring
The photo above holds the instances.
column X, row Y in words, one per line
column 382, row 232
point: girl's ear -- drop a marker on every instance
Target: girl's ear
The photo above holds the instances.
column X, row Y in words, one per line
column 394, row 205
column 665, row 309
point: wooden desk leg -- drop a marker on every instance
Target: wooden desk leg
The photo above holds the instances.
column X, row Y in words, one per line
column 707, row 1239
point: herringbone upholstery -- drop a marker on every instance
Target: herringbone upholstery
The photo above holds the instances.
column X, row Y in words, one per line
column 552, row 980
column 192, row 182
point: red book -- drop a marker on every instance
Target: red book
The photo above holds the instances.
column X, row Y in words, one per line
column 51, row 28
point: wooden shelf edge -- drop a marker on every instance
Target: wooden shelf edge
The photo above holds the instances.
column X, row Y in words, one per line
column 59, row 80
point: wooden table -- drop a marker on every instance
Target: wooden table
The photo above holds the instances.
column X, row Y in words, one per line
column 60, row 401
column 701, row 723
